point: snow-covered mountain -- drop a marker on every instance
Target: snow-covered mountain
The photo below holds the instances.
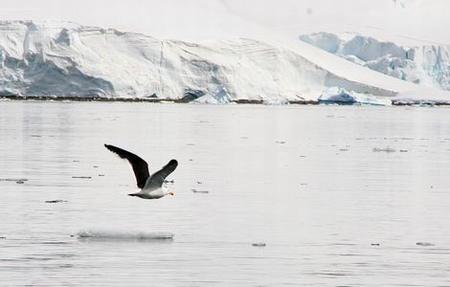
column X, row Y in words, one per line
column 69, row 60
column 421, row 63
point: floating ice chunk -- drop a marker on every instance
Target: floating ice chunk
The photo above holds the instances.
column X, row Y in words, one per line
column 337, row 95
column 122, row 235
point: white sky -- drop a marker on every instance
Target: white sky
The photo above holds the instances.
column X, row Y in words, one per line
column 203, row 19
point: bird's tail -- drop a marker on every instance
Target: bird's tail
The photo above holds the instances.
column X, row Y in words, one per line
column 132, row 194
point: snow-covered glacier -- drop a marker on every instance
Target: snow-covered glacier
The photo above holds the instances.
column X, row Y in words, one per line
column 421, row 63
column 70, row 60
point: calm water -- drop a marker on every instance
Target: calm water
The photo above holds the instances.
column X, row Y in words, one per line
column 342, row 196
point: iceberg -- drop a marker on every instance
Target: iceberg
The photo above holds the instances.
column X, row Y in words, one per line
column 336, row 95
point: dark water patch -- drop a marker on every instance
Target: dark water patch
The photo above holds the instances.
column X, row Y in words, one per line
column 259, row 244
column 124, row 236
column 14, row 179
column 199, row 191
column 384, row 149
column 425, row 244
column 56, row 201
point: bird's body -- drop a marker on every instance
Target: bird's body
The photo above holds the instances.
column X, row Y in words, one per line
column 152, row 187
column 151, row 192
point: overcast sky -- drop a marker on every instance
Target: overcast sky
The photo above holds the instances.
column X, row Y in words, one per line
column 203, row 19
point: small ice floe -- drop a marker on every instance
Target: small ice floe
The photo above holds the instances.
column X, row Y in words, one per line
column 259, row 244
column 375, row 244
column 101, row 175
column 55, row 201
column 2, row 237
column 123, row 235
column 424, row 244
column 384, row 149
column 82, row 177
column 280, row 142
column 20, row 182
column 199, row 182
column 403, row 150
column 199, row 191
column 95, row 166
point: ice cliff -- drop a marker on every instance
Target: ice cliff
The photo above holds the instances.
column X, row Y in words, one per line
column 427, row 64
column 70, row 60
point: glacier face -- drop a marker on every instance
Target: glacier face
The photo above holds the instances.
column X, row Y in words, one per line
column 426, row 64
column 69, row 60
column 65, row 59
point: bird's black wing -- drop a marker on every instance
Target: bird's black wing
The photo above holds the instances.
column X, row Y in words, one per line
column 157, row 179
column 139, row 165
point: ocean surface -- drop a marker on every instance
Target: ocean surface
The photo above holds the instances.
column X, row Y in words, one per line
column 265, row 195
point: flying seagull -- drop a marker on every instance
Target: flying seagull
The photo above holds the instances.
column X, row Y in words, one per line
column 151, row 186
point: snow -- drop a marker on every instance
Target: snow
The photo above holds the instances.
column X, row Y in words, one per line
column 422, row 63
column 64, row 59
